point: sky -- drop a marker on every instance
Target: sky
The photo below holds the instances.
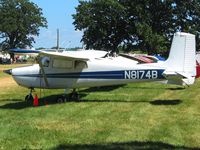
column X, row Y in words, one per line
column 59, row 16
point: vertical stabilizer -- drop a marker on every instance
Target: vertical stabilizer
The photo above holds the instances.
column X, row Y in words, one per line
column 181, row 61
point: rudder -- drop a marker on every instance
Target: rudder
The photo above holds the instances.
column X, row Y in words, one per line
column 182, row 58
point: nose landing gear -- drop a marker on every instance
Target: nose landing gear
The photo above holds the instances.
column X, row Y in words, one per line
column 29, row 97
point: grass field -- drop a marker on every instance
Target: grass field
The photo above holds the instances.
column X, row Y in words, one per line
column 133, row 116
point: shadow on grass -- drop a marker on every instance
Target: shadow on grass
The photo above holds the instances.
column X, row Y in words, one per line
column 176, row 89
column 154, row 102
column 166, row 102
column 50, row 100
column 15, row 105
column 103, row 88
column 122, row 146
column 155, row 88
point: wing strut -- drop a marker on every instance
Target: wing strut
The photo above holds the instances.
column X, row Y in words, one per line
column 43, row 72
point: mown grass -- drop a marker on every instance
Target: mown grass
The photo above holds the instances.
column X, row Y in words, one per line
column 133, row 116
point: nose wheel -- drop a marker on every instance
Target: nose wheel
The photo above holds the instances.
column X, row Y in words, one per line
column 29, row 97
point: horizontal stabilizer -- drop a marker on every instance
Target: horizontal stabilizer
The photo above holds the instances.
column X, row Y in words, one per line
column 178, row 78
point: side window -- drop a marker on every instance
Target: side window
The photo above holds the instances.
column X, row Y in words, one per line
column 80, row 64
column 45, row 61
column 57, row 63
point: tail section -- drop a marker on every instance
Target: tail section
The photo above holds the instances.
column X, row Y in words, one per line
column 181, row 63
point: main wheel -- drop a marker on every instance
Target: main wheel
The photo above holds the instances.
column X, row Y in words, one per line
column 60, row 100
column 75, row 97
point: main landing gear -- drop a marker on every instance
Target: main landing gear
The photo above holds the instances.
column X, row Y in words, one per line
column 73, row 96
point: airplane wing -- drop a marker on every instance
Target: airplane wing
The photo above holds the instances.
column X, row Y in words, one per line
column 79, row 54
column 22, row 52
column 62, row 56
column 54, row 54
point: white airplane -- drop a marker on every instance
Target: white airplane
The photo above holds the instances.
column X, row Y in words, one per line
column 90, row 68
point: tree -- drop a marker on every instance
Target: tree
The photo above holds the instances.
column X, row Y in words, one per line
column 20, row 22
column 102, row 22
column 187, row 18
column 147, row 25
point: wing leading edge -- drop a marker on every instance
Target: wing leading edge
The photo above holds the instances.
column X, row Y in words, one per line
column 62, row 56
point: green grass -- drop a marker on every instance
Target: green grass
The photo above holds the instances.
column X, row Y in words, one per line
column 133, row 116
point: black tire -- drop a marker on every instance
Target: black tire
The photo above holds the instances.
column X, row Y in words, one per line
column 60, row 100
column 29, row 98
column 75, row 97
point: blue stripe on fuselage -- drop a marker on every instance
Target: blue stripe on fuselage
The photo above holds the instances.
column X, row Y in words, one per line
column 122, row 74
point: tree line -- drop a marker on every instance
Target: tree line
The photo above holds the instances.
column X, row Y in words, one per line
column 146, row 25
column 116, row 25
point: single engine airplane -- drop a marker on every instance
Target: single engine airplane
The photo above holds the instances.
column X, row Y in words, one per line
column 91, row 68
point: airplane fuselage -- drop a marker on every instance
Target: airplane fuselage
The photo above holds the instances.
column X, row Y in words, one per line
column 94, row 72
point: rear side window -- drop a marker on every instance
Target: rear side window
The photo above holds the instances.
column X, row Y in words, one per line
column 67, row 64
